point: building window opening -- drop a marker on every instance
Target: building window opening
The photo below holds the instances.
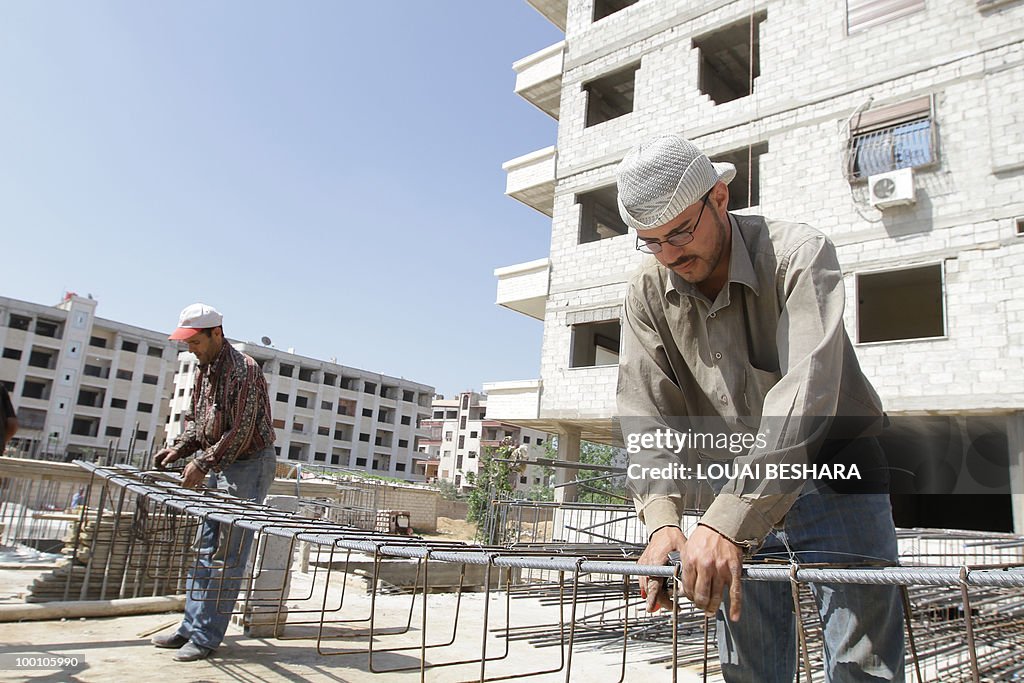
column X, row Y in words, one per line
column 900, row 304
column 745, row 189
column 729, row 61
column 599, row 215
column 604, row 8
column 18, row 322
column 91, row 398
column 42, row 358
column 85, row 426
column 36, row 389
column 863, row 14
column 611, row 95
column 595, row 344
column 48, row 328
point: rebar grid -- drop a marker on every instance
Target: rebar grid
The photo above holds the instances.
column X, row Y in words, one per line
column 584, row 595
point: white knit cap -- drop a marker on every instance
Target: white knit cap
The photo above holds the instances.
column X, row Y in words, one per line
column 661, row 177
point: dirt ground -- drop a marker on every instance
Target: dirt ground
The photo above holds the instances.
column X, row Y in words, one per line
column 117, row 650
column 453, row 530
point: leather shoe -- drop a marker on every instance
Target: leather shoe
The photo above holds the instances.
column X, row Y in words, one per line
column 171, row 641
column 191, row 652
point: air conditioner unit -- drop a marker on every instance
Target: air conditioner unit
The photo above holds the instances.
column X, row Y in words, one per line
column 895, row 188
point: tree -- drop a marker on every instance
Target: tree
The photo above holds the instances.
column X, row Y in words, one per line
column 597, row 486
column 493, row 481
column 448, row 490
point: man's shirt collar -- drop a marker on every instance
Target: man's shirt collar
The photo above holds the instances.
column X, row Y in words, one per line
column 741, row 268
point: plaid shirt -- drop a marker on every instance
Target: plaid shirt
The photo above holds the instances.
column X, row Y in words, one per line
column 230, row 413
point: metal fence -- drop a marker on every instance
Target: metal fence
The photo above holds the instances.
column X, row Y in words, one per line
column 538, row 607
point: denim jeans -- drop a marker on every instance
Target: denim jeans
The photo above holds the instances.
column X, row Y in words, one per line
column 215, row 579
column 863, row 625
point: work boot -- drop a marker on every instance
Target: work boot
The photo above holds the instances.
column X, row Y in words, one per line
column 171, row 641
column 190, row 652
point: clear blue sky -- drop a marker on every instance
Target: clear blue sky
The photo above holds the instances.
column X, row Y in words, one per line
column 325, row 173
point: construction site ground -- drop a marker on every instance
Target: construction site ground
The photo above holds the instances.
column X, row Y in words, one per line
column 118, row 649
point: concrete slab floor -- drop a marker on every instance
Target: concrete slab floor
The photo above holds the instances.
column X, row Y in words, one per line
column 117, row 650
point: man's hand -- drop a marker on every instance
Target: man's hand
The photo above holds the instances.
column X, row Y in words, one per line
column 663, row 541
column 165, row 457
column 192, row 477
column 710, row 563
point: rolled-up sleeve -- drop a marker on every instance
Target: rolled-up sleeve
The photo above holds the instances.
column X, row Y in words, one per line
column 187, row 442
column 646, row 392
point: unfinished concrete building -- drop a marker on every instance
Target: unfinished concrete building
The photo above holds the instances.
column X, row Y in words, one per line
column 891, row 126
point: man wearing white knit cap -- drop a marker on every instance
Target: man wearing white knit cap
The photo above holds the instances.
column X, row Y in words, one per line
column 733, row 338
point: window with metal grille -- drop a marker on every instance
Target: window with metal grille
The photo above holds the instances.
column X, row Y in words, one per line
column 890, row 138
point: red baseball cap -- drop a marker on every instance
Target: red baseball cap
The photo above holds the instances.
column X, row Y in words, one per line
column 194, row 318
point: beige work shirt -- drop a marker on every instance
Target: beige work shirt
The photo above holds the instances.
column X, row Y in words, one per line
column 769, row 355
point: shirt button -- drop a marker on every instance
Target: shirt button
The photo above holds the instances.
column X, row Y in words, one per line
column 724, row 399
column 718, row 356
column 714, row 315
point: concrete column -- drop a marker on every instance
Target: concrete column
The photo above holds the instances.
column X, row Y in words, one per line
column 568, row 450
column 270, row 564
column 1015, row 446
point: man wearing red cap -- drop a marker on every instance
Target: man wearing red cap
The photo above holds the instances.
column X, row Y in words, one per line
column 229, row 429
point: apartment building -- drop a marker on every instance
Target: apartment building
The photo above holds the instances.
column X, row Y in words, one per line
column 893, row 126
column 82, row 384
column 330, row 414
column 459, row 431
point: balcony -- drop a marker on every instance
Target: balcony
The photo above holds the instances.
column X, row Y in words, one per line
column 539, row 78
column 524, row 287
column 531, row 179
column 518, row 400
column 554, row 11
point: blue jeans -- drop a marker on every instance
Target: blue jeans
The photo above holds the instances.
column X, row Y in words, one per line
column 211, row 590
column 863, row 625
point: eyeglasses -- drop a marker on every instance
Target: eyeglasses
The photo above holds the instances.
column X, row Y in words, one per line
column 678, row 239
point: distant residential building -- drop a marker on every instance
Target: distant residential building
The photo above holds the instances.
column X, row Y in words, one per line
column 82, row 384
column 458, row 431
column 330, row 414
